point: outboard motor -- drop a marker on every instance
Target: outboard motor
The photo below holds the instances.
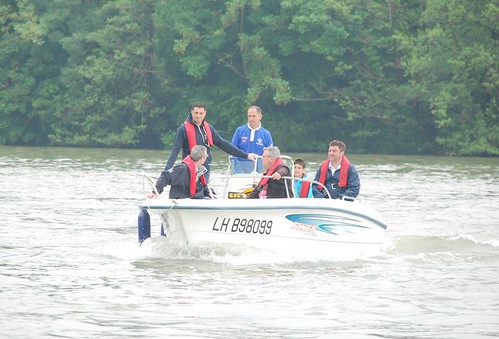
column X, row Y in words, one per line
column 144, row 223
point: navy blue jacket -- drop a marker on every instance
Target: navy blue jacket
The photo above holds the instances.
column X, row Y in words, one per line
column 352, row 189
column 179, row 178
column 182, row 143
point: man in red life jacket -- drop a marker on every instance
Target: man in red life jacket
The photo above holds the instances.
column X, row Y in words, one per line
column 337, row 174
column 186, row 179
column 196, row 131
column 275, row 186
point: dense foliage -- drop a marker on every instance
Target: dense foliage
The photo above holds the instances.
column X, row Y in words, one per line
column 385, row 76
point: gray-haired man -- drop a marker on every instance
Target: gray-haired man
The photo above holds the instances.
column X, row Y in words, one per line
column 186, row 179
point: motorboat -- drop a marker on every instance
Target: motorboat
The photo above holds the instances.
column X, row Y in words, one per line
column 298, row 227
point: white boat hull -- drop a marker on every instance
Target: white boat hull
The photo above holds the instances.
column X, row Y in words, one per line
column 305, row 228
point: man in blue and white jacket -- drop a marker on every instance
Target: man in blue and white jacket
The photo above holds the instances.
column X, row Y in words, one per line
column 251, row 138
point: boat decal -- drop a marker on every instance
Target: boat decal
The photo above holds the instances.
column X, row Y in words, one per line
column 305, row 228
column 236, row 195
column 333, row 224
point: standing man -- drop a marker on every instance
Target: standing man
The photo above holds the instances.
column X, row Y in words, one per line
column 196, row 131
column 337, row 174
column 251, row 138
column 272, row 185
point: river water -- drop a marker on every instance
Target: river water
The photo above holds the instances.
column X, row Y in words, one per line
column 70, row 266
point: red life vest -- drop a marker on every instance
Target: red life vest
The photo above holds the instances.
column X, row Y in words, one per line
column 191, row 134
column 263, row 181
column 343, row 181
column 192, row 169
column 305, row 187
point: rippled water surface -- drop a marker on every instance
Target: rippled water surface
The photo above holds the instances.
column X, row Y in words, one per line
column 70, row 265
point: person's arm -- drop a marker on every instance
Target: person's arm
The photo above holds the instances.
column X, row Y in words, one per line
column 315, row 189
column 164, row 179
column 180, row 182
column 353, row 186
column 226, row 146
column 255, row 194
column 178, row 142
column 284, row 171
column 269, row 142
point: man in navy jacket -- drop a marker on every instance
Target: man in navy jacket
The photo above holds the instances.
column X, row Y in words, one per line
column 339, row 177
column 196, row 131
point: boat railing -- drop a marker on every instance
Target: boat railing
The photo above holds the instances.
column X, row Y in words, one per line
column 238, row 186
column 312, row 182
column 149, row 185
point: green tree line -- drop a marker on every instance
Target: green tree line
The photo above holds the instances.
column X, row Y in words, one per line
column 385, row 76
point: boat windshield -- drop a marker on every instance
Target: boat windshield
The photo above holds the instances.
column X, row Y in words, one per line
column 244, row 166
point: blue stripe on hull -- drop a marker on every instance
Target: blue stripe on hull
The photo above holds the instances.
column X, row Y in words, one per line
column 327, row 223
